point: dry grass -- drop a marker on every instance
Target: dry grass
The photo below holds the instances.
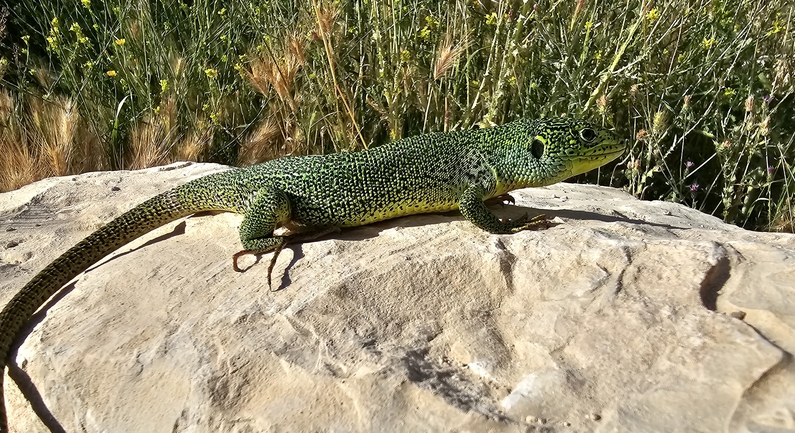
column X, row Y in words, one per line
column 193, row 146
column 53, row 127
column 18, row 164
column 448, row 55
column 266, row 72
column 149, row 143
column 262, row 144
column 42, row 138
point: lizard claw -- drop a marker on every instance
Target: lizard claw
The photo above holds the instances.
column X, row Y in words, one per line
column 237, row 256
column 270, row 267
column 273, row 262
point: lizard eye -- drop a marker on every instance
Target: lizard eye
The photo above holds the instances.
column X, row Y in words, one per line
column 537, row 148
column 587, row 134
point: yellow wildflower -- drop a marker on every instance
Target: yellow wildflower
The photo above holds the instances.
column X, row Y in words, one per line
column 111, row 73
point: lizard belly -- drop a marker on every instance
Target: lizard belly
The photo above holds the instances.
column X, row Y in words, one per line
column 396, row 210
column 356, row 210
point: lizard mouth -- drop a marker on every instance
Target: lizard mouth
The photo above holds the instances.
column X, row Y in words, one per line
column 610, row 150
column 611, row 154
column 606, row 153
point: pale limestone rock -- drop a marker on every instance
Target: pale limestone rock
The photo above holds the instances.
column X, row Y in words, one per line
column 627, row 316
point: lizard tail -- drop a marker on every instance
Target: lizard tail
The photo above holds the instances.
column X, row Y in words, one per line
column 149, row 215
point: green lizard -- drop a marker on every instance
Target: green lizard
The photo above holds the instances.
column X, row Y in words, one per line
column 427, row 173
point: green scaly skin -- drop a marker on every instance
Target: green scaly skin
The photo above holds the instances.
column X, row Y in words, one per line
column 428, row 173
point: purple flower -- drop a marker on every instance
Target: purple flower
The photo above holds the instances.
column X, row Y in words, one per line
column 770, row 170
column 694, row 187
column 689, row 164
column 768, row 99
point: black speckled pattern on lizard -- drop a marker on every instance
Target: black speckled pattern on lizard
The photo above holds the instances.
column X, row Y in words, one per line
column 428, row 173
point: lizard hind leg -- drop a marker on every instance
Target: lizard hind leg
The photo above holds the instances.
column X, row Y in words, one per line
column 269, row 210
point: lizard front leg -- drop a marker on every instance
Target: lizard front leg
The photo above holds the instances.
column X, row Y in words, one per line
column 474, row 209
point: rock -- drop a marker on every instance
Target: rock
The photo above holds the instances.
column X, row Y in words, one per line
column 626, row 316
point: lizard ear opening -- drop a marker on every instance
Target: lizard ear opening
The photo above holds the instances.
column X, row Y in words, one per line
column 537, row 148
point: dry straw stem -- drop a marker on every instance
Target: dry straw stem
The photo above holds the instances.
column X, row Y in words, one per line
column 448, row 55
column 325, row 22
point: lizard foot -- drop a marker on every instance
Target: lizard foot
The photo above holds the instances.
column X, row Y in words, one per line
column 538, row 222
column 278, row 249
column 276, row 252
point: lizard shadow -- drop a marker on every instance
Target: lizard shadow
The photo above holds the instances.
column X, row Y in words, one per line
column 423, row 220
column 503, row 211
column 178, row 230
column 21, row 378
column 31, row 393
column 515, row 211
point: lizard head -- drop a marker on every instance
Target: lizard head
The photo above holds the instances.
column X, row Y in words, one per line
column 561, row 148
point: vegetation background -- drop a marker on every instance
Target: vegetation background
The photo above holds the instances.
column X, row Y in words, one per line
column 703, row 89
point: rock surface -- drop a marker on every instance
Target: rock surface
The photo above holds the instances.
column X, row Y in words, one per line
column 626, row 316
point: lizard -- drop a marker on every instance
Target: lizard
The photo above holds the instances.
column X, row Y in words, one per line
column 434, row 172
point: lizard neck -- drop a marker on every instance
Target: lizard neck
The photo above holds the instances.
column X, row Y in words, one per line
column 506, row 150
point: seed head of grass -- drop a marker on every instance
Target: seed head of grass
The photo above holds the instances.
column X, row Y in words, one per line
column 149, row 143
column 259, row 145
column 448, row 54
column 265, row 72
column 54, row 124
